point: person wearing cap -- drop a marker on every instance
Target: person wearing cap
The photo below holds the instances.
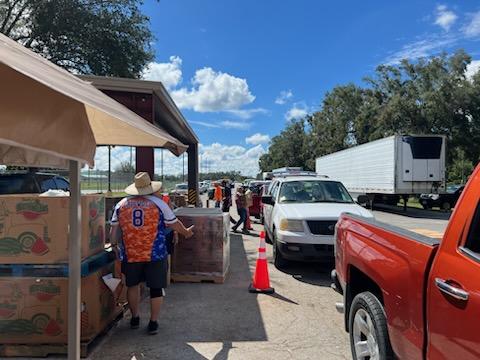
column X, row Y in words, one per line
column 138, row 228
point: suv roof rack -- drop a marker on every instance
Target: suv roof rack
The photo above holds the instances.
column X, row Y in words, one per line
column 298, row 173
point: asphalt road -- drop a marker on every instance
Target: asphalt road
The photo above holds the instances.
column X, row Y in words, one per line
column 209, row 321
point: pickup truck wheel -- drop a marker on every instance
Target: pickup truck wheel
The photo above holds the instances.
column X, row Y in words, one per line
column 278, row 259
column 446, row 206
column 368, row 329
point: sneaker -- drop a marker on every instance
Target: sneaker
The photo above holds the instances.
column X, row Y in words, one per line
column 135, row 322
column 153, row 327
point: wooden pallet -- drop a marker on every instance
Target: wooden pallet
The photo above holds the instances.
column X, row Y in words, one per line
column 44, row 350
column 198, row 278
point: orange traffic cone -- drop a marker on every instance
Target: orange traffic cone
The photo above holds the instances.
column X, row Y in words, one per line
column 261, row 280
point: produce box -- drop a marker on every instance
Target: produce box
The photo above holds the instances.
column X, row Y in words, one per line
column 35, row 310
column 34, row 229
column 206, row 255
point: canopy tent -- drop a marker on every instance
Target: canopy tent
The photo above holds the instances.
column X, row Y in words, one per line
column 50, row 118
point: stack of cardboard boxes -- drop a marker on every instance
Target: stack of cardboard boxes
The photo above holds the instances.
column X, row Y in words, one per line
column 205, row 256
column 34, row 270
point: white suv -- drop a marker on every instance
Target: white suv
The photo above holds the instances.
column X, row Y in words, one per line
column 300, row 214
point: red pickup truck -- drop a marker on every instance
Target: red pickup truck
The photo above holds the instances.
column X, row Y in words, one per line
column 408, row 296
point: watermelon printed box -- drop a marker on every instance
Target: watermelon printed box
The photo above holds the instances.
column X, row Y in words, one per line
column 35, row 310
column 34, row 229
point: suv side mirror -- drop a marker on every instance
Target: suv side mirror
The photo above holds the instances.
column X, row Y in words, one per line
column 363, row 199
column 268, row 200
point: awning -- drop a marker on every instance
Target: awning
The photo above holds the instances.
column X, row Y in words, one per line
column 48, row 116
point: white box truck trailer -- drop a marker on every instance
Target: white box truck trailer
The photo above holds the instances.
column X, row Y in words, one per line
column 396, row 165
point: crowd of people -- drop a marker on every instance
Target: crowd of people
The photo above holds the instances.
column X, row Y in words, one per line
column 243, row 200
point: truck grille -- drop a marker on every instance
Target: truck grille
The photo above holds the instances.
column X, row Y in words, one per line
column 322, row 227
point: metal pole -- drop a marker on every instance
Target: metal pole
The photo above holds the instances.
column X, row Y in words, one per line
column 162, row 165
column 74, row 262
column 109, row 168
column 183, row 176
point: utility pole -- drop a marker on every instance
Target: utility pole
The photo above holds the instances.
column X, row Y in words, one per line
column 109, row 168
column 183, row 177
column 162, row 165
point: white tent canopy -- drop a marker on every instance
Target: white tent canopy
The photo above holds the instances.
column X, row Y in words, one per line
column 50, row 118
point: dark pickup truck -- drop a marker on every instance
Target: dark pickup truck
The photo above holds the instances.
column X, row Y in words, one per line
column 407, row 296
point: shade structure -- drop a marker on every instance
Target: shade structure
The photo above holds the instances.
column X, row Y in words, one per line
column 50, row 118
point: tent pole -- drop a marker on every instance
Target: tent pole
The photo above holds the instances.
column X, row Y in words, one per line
column 74, row 260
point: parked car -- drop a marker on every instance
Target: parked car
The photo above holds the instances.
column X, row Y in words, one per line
column 408, row 296
column 31, row 183
column 300, row 213
column 257, row 189
column 202, row 187
column 181, row 189
column 444, row 201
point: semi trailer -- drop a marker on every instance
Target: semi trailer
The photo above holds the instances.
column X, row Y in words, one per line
column 385, row 169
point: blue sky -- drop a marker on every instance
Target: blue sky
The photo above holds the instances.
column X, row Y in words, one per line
column 240, row 70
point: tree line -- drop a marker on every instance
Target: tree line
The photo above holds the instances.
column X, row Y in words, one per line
column 428, row 96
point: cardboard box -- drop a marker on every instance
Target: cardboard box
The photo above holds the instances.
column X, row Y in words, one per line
column 35, row 310
column 34, row 229
column 207, row 253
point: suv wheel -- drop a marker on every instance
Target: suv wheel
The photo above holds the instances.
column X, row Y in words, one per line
column 278, row 259
column 368, row 329
column 268, row 240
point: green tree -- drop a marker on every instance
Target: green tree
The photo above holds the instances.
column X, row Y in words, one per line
column 100, row 37
column 426, row 96
column 286, row 149
column 125, row 167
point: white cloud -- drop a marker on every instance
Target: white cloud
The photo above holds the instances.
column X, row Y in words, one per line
column 247, row 113
column 445, row 18
column 298, row 111
column 257, row 138
column 226, row 124
column 422, row 48
column 204, row 123
column 170, row 73
column 219, row 157
column 239, row 125
column 472, row 29
column 472, row 69
column 214, row 91
column 283, row 97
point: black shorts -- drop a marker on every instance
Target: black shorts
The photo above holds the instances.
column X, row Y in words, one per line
column 153, row 273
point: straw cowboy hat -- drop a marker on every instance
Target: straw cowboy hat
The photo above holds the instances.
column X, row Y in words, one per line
column 143, row 185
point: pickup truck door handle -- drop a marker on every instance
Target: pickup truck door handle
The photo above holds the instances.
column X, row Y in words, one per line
column 450, row 290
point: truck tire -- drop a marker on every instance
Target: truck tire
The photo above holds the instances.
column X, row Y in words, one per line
column 278, row 259
column 446, row 206
column 268, row 240
column 368, row 329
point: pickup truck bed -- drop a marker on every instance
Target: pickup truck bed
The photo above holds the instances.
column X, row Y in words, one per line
column 397, row 258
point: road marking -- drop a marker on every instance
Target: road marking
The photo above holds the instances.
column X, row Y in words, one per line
column 429, row 233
